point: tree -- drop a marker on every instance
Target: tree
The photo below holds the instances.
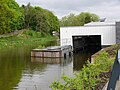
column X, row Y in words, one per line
column 11, row 16
column 29, row 13
column 52, row 21
column 78, row 20
column 39, row 19
column 5, row 17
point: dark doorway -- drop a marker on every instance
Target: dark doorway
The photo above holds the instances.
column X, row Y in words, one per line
column 88, row 43
column 83, row 48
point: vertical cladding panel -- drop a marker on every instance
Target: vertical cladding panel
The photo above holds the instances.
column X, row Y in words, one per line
column 53, row 54
column 117, row 32
column 57, row 54
column 38, row 54
column 47, row 54
column 61, row 37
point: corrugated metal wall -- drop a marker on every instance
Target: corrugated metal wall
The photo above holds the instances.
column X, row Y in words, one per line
column 108, row 33
column 117, row 32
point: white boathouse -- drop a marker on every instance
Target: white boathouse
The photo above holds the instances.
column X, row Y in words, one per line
column 98, row 33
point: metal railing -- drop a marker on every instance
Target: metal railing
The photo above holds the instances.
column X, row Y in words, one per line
column 115, row 73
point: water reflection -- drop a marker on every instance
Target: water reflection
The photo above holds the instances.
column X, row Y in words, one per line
column 38, row 78
column 61, row 61
column 47, row 60
column 10, row 69
column 79, row 59
column 21, row 72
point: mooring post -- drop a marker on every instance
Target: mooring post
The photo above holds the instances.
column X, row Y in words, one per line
column 115, row 73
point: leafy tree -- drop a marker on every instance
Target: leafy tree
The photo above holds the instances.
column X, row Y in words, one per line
column 39, row 19
column 52, row 21
column 29, row 13
column 11, row 16
column 5, row 17
column 87, row 17
column 78, row 20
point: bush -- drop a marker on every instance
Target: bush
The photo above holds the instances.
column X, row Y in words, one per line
column 32, row 33
column 28, row 38
column 88, row 77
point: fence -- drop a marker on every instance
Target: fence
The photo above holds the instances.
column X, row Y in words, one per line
column 115, row 73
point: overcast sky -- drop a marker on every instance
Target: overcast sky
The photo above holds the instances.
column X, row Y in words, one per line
column 109, row 9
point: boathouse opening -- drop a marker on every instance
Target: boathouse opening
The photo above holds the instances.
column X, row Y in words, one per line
column 86, row 42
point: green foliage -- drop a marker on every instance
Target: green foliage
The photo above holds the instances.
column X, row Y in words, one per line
column 78, row 20
column 11, row 16
column 28, row 38
column 33, row 34
column 88, row 77
column 40, row 19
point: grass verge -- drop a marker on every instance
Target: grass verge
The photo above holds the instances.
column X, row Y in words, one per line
column 27, row 38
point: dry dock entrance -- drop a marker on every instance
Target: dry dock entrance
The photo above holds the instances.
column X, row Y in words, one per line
column 89, row 42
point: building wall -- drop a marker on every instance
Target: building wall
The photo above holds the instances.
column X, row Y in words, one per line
column 108, row 33
column 117, row 32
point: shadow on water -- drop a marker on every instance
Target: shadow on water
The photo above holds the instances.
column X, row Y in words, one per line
column 79, row 59
column 81, row 56
column 85, row 46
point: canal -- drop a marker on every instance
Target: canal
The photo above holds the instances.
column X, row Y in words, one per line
column 18, row 71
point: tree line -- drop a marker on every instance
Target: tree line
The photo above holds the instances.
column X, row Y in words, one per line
column 78, row 20
column 14, row 17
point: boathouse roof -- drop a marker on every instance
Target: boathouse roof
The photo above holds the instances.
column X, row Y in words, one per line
column 101, row 24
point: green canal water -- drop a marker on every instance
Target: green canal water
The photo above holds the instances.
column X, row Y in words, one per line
column 18, row 71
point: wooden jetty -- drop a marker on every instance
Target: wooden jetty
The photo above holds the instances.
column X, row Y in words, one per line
column 53, row 52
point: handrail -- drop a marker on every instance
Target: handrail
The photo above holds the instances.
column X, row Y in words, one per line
column 115, row 73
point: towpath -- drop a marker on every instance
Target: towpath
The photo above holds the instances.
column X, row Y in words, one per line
column 16, row 32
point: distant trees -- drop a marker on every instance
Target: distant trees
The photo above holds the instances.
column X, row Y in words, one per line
column 39, row 19
column 13, row 17
column 78, row 20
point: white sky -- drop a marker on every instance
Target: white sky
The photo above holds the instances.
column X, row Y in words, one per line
column 109, row 9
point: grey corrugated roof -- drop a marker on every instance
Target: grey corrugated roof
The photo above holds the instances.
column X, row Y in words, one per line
column 100, row 24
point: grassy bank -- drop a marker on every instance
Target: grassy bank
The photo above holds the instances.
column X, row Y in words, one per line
column 27, row 38
column 92, row 76
column 104, row 76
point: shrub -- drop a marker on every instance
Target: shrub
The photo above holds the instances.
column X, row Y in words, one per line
column 88, row 77
column 32, row 33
